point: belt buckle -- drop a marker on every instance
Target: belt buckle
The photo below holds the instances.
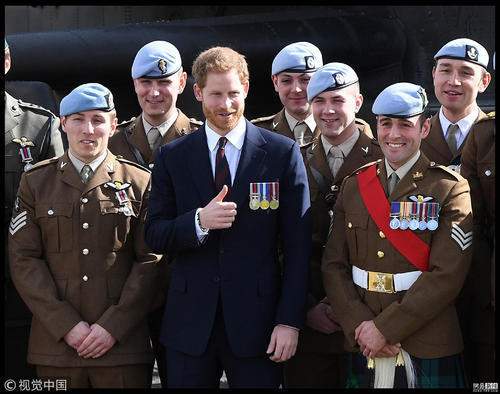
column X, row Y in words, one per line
column 380, row 282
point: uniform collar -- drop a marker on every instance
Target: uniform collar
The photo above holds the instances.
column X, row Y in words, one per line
column 345, row 146
column 93, row 164
column 163, row 128
column 292, row 122
column 403, row 170
column 464, row 124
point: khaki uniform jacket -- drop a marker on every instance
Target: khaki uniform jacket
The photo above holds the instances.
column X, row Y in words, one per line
column 74, row 257
column 423, row 319
column 366, row 149
column 478, row 167
column 41, row 127
column 130, row 136
column 435, row 146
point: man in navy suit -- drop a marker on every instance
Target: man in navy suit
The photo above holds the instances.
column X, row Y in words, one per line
column 222, row 207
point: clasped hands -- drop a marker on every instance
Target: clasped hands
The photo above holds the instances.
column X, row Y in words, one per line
column 372, row 343
column 89, row 341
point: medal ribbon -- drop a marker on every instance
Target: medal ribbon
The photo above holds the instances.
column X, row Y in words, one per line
column 406, row 242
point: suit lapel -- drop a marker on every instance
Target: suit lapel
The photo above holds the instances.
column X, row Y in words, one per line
column 69, row 174
column 139, row 140
column 249, row 166
column 436, row 142
column 200, row 167
column 319, row 161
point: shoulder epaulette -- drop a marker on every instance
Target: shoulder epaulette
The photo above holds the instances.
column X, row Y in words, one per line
column 451, row 172
column 125, row 161
column 43, row 163
column 364, row 167
column 196, row 121
column 125, row 122
column 35, row 107
column 262, row 119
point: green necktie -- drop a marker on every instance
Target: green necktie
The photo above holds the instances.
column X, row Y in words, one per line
column 451, row 138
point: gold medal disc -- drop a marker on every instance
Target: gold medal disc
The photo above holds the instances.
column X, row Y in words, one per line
column 274, row 204
column 264, row 204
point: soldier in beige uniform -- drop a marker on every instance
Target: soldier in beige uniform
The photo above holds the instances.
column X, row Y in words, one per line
column 291, row 71
column 478, row 295
column 78, row 256
column 399, row 254
column 31, row 135
column 320, row 360
column 158, row 80
column 459, row 75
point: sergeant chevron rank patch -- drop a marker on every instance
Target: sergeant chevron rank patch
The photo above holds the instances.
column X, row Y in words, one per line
column 16, row 223
column 464, row 240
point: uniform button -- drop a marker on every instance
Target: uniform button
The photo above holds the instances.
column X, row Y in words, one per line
column 85, row 200
column 50, row 212
column 151, row 165
column 216, row 279
column 349, row 225
column 381, row 234
column 85, row 226
column 380, row 254
column 487, row 172
column 85, row 251
column 85, row 278
column 334, row 188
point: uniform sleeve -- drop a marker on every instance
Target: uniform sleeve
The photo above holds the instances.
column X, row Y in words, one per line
column 30, row 272
column 449, row 263
column 141, row 286
column 337, row 274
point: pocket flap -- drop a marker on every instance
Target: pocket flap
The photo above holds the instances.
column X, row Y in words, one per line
column 54, row 209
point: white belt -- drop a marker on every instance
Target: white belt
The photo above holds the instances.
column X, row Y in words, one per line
column 384, row 282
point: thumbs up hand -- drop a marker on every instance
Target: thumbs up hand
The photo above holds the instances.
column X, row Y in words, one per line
column 218, row 214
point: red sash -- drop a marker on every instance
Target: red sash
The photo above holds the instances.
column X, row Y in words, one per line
column 406, row 242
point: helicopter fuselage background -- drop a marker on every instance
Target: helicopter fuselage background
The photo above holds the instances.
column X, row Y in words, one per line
column 65, row 46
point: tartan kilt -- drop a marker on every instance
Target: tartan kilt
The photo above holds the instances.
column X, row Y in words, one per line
column 445, row 372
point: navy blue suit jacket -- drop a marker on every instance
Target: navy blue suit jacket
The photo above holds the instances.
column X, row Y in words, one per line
column 240, row 264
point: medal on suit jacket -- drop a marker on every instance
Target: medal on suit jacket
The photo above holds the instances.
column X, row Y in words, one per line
column 274, row 203
column 254, row 196
column 122, row 197
column 25, row 151
column 264, row 203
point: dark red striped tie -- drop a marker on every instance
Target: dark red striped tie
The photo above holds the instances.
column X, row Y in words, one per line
column 222, row 174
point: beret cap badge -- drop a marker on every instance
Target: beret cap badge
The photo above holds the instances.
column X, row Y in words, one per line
column 472, row 52
column 162, row 66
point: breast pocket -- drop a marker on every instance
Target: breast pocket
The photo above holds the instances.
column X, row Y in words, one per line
column 357, row 235
column 114, row 224
column 56, row 226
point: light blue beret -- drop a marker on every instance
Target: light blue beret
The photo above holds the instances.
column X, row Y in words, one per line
column 331, row 76
column 87, row 97
column 401, row 100
column 299, row 57
column 158, row 59
column 464, row 49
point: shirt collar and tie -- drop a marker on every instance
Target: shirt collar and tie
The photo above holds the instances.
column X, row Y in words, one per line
column 232, row 148
column 155, row 134
column 464, row 126
column 302, row 129
column 86, row 170
column 400, row 172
